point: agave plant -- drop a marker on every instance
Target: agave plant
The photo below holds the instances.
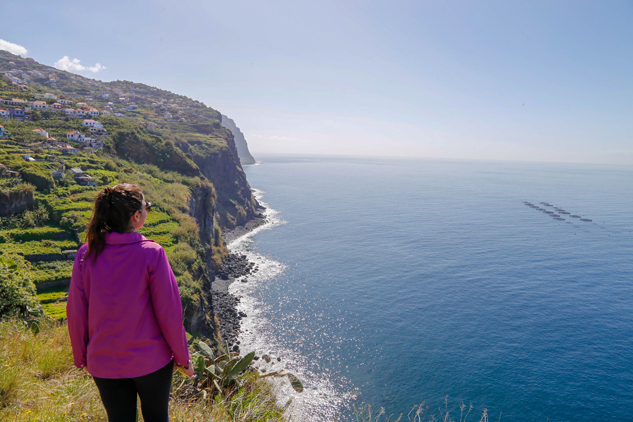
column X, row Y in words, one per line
column 221, row 372
column 218, row 372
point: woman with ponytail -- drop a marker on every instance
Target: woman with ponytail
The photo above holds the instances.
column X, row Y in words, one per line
column 124, row 310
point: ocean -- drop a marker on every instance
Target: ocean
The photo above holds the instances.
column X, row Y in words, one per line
column 396, row 282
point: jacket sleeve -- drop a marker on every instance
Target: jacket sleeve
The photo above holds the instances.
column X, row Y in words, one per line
column 77, row 313
column 168, row 308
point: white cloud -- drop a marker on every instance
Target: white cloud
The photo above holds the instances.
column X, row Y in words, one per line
column 75, row 65
column 12, row 48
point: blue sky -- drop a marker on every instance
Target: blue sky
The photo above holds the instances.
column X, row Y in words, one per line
column 533, row 80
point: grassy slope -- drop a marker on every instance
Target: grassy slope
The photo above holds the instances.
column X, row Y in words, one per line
column 39, row 382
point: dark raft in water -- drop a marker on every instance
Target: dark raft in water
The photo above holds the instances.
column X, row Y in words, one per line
column 548, row 212
column 564, row 212
column 585, row 219
column 574, row 216
column 559, row 219
column 554, row 215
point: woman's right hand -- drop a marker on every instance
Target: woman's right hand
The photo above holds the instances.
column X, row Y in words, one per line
column 188, row 370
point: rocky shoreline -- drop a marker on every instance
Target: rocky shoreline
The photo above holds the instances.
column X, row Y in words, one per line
column 234, row 267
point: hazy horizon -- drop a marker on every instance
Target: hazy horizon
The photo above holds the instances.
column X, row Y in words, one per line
column 539, row 81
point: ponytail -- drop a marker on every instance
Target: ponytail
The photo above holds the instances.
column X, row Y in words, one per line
column 114, row 206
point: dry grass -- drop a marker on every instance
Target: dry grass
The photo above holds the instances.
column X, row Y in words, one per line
column 420, row 413
column 39, row 383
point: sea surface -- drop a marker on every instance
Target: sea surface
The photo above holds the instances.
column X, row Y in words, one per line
column 393, row 282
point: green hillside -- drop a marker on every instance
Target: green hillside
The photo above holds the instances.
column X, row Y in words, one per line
column 187, row 166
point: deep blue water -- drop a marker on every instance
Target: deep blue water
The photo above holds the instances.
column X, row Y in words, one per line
column 396, row 281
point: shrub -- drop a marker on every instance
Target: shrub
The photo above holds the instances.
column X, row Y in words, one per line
column 110, row 165
column 181, row 258
column 17, row 291
column 71, row 221
column 38, row 217
column 187, row 232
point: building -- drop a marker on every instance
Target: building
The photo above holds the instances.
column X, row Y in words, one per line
column 64, row 101
column 47, row 96
column 39, row 105
column 3, row 132
column 20, row 114
column 15, row 102
column 132, row 107
column 99, row 131
column 93, row 112
column 69, row 112
column 80, row 113
column 75, row 136
column 68, row 150
column 86, row 180
column 76, row 172
column 4, row 113
column 40, row 132
column 91, row 123
column 57, row 106
column 167, row 115
column 27, row 157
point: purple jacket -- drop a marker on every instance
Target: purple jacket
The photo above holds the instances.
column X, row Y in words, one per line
column 124, row 310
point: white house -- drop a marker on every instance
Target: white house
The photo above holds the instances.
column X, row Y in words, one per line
column 93, row 112
column 80, row 113
column 75, row 136
column 92, row 123
column 39, row 105
column 105, row 113
column 4, row 113
column 69, row 112
column 100, row 131
column 167, row 115
column 105, row 95
column 40, row 132
column 132, row 107
column 64, row 101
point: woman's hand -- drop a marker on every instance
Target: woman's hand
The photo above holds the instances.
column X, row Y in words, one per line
column 186, row 370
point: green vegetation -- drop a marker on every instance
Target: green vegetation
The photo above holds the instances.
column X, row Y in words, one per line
column 17, row 291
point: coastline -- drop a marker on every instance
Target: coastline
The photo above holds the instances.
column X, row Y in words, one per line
column 236, row 267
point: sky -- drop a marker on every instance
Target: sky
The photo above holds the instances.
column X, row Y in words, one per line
column 492, row 80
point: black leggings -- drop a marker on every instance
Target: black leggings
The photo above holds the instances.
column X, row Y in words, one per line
column 119, row 395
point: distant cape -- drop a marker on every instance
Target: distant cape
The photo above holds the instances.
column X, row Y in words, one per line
column 240, row 142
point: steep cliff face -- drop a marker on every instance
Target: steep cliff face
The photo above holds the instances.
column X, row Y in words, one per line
column 218, row 160
column 240, row 141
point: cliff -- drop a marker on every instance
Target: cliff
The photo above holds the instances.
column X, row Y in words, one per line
column 240, row 141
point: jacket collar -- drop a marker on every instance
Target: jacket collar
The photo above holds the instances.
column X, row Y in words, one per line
column 123, row 238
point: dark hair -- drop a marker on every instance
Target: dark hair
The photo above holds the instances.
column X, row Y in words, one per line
column 114, row 206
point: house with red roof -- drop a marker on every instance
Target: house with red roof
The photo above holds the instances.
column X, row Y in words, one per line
column 41, row 105
column 40, row 132
column 68, row 150
column 75, row 136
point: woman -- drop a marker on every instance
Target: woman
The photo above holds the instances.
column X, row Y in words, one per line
column 124, row 310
